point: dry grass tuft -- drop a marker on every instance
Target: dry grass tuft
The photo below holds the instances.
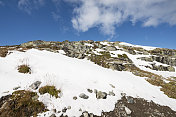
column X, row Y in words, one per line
column 24, row 69
column 50, row 89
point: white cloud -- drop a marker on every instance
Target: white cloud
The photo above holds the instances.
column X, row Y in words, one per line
column 109, row 14
column 29, row 5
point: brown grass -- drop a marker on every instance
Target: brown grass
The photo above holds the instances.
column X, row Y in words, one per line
column 3, row 52
column 22, row 104
column 24, row 69
column 168, row 88
column 50, row 89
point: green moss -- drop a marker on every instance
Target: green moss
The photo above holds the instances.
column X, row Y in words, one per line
column 49, row 89
column 24, row 69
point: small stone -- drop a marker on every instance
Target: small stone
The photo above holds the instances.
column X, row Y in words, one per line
column 6, row 92
column 123, row 94
column 35, row 98
column 111, row 93
column 75, row 98
column 80, row 109
column 58, row 111
column 101, row 95
column 89, row 90
column 85, row 114
column 84, row 96
column 127, row 110
column 54, row 110
column 35, row 85
column 130, row 100
column 112, row 85
column 69, row 107
column 53, row 115
column 64, row 109
column 95, row 91
column 15, row 88
column 91, row 115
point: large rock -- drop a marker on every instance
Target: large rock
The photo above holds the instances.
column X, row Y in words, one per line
column 165, row 59
column 149, row 59
column 111, row 48
column 118, row 67
column 171, row 69
column 163, row 51
column 163, row 68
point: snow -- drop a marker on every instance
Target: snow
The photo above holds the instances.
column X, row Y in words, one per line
column 61, row 51
column 88, row 44
column 145, row 47
column 105, row 43
column 141, row 64
column 74, row 76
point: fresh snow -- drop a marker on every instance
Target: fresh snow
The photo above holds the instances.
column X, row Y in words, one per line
column 74, row 76
column 145, row 47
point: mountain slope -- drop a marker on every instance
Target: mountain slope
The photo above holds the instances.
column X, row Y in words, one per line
column 79, row 80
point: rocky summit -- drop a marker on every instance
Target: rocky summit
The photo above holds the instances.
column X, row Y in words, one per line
column 87, row 79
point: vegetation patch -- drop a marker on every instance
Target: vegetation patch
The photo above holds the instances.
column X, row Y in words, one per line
column 99, row 60
column 3, row 52
column 24, row 69
column 168, row 88
column 133, row 48
column 122, row 56
column 22, row 104
column 95, row 46
column 106, row 54
column 51, row 90
column 163, row 51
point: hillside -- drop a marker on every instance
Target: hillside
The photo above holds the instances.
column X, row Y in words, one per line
column 88, row 79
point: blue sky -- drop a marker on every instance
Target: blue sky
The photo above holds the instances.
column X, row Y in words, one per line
column 146, row 22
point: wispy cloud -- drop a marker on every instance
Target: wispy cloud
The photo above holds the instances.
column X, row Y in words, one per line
column 57, row 2
column 1, row 3
column 29, row 5
column 55, row 16
column 109, row 14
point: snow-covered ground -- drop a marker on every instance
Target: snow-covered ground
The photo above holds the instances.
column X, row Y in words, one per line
column 145, row 47
column 74, row 76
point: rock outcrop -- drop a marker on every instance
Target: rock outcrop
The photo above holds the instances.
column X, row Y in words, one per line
column 135, row 107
